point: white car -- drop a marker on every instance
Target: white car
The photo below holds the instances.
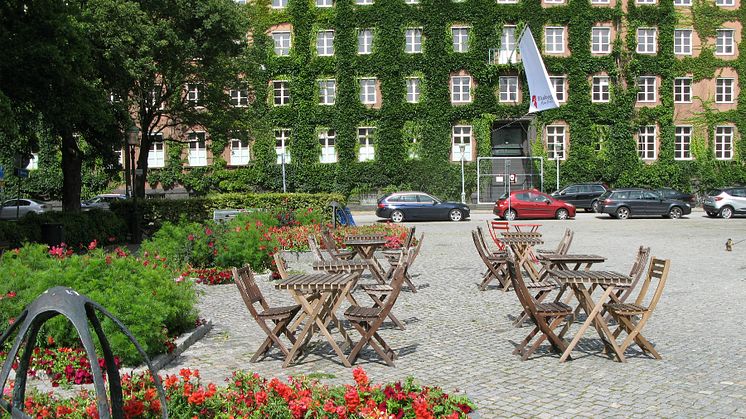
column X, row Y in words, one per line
column 102, row 201
column 18, row 208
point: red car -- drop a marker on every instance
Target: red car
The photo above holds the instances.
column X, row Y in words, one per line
column 530, row 203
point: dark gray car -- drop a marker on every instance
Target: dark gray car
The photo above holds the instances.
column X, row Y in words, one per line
column 582, row 195
column 636, row 202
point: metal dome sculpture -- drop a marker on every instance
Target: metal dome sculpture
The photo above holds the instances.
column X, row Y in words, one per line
column 79, row 309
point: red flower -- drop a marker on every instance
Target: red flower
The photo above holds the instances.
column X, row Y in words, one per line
column 352, row 399
column 360, row 377
column 190, row 237
column 133, row 408
column 208, row 231
column 92, row 245
column 260, row 397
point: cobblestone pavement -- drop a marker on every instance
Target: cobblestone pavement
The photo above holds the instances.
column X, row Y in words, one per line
column 461, row 339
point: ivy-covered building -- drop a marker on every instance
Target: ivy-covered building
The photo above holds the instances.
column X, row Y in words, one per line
column 368, row 95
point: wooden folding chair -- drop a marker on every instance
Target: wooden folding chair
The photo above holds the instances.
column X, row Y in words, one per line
column 486, row 247
column 395, row 254
column 563, row 246
column 638, row 268
column 546, row 316
column 331, row 247
column 625, row 314
column 313, row 246
column 280, row 316
column 495, row 228
column 367, row 320
column 495, row 263
column 281, row 265
column 395, row 264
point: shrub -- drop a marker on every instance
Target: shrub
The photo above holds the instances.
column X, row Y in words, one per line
column 79, row 228
column 142, row 293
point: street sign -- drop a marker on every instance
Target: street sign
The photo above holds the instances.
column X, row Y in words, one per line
column 21, row 172
column 2, row 172
column 513, row 178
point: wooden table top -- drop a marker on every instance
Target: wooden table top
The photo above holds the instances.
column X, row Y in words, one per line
column 340, row 264
column 521, row 237
column 315, row 282
column 589, row 277
column 365, row 241
column 570, row 258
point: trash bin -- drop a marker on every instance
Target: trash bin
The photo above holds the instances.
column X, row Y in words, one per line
column 52, row 234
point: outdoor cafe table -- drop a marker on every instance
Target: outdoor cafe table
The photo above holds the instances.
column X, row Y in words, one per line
column 366, row 247
column 531, row 228
column 331, row 290
column 580, row 283
column 522, row 242
column 559, row 261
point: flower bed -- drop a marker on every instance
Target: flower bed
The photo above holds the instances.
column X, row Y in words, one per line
column 248, row 395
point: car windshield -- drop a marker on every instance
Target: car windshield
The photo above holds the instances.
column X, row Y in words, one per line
column 605, row 195
column 715, row 192
column 503, row 196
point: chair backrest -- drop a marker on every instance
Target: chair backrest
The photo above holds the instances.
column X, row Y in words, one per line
column 480, row 234
column 328, row 239
column 313, row 245
column 495, row 228
column 410, row 239
column 479, row 244
column 521, row 291
column 281, row 264
column 416, row 249
column 397, row 282
column 564, row 244
column 658, row 271
column 250, row 292
column 638, row 267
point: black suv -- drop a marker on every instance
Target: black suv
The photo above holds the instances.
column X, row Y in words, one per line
column 582, row 195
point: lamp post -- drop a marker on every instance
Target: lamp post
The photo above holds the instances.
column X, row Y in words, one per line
column 133, row 140
column 462, row 148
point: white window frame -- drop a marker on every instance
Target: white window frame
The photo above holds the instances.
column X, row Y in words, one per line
column 194, row 93
column 600, row 40
column 282, row 137
column 559, row 84
column 156, row 152
column 554, row 1
column 368, row 91
column 281, row 38
column 325, row 43
column 556, row 134
column 363, row 2
column 682, row 90
column 324, row 3
column 33, row 162
column 600, row 2
column 682, row 3
column 240, row 153
column 555, row 34
column 460, row 91
column 279, row 4
column 647, row 40
column 413, row 40
column 646, row 2
column 508, row 86
column 281, row 91
column 239, row 98
column 197, row 155
column 683, row 142
column 682, row 41
column 725, row 3
column 414, row 89
column 645, row 89
column 724, row 142
column 647, row 142
column 725, row 90
column 366, row 141
column 328, row 140
column 365, row 41
column 461, row 134
column 411, row 1
column 508, row 52
column 460, row 35
column 600, row 89
column 721, row 46
column 507, row 1
column 327, row 91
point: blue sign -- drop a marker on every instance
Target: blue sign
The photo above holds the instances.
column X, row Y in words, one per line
column 21, row 172
column 2, row 172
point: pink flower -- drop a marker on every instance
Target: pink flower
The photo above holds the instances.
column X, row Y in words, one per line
column 190, row 237
column 208, row 231
column 93, row 245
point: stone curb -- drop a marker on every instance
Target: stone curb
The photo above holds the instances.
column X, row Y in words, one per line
column 183, row 343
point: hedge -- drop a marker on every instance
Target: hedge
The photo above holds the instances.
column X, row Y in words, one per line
column 80, row 229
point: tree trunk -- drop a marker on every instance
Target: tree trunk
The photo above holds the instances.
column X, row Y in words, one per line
column 72, row 179
column 142, row 165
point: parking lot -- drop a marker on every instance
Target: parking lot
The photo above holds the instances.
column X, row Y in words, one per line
column 461, row 339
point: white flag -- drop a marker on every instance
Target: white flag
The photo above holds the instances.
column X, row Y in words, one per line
column 539, row 87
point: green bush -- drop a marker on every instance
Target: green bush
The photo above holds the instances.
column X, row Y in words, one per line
column 79, row 228
column 140, row 293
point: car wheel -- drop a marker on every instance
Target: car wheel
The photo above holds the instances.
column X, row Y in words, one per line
column 594, row 205
column 675, row 213
column 711, row 214
column 510, row 215
column 397, row 216
column 726, row 212
column 561, row 214
column 622, row 213
column 455, row 215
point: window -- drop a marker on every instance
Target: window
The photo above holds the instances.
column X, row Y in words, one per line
column 325, row 43
column 600, row 1
column 365, row 41
column 33, row 162
column 682, row 41
column 558, row 83
column 646, row 1
column 556, row 142
column 368, row 91
column 363, row 2
column 282, row 140
column 412, row 1
column 327, row 139
column 646, row 147
column 461, row 136
column 508, row 53
column 413, row 90
column 646, row 89
column 197, row 149
column 460, row 89
column 600, row 89
column 324, row 3
column 554, row 1
column 724, row 44
column 554, row 40
column 507, row 1
column 508, row 89
column 365, row 138
column 239, row 97
column 240, row 152
column 282, row 43
column 413, row 37
column 327, row 91
column 646, row 40
column 683, row 3
column 194, row 93
column 460, row 39
column 726, row 3
column 724, row 143
column 682, row 143
column 682, row 90
column 279, row 4
column 600, row 40
column 281, row 92
column 156, row 155
column 724, row 90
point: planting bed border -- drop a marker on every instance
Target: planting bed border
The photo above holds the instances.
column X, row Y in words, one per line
column 182, row 343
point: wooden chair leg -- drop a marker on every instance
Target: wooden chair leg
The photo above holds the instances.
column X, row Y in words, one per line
column 272, row 338
column 379, row 303
column 519, row 349
column 408, row 280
